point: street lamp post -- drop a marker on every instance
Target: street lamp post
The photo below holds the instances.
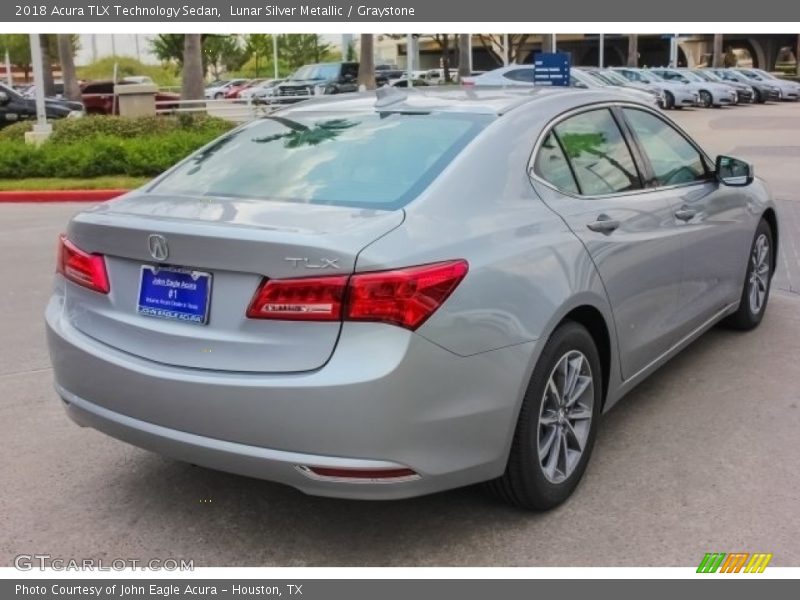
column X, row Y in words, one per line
column 42, row 129
column 602, row 52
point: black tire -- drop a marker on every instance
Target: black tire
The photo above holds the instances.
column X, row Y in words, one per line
column 669, row 101
column 219, row 96
column 524, row 484
column 758, row 97
column 705, row 99
column 746, row 318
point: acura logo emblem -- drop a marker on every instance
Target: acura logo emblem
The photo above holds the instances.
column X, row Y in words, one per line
column 157, row 244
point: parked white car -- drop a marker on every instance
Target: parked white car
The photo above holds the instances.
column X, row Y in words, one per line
column 708, row 93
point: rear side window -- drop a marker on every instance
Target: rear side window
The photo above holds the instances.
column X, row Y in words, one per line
column 552, row 166
column 674, row 160
column 599, row 155
column 371, row 160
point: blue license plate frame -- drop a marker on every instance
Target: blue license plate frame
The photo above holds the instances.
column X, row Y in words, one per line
column 175, row 294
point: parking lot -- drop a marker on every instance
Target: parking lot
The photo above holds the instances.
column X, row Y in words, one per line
column 701, row 458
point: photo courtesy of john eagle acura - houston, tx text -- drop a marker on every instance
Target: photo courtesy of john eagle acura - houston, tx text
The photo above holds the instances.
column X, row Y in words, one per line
column 386, row 294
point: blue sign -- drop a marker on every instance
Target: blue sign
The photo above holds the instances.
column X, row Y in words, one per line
column 551, row 68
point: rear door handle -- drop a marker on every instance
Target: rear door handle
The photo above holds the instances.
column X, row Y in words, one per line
column 603, row 224
column 685, row 213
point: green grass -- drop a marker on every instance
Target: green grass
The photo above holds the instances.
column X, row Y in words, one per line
column 69, row 183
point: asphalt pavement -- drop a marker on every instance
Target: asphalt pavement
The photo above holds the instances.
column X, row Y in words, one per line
column 700, row 458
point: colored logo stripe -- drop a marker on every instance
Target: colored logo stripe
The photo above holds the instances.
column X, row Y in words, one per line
column 734, row 562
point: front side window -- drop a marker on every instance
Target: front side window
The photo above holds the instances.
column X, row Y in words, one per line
column 600, row 157
column 674, row 160
column 369, row 160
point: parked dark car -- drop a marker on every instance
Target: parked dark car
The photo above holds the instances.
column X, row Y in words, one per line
column 321, row 78
column 99, row 97
column 764, row 91
column 16, row 107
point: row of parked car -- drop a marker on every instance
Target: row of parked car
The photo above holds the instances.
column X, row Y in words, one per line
column 666, row 87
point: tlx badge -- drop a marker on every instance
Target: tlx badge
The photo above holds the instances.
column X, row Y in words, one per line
column 324, row 263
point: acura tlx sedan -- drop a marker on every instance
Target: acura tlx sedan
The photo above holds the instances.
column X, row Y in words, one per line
column 383, row 298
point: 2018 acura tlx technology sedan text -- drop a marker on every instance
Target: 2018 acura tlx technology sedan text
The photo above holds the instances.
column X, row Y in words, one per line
column 386, row 297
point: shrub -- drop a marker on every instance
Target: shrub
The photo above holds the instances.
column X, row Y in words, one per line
column 95, row 146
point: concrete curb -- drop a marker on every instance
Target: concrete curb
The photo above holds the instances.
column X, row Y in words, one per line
column 30, row 196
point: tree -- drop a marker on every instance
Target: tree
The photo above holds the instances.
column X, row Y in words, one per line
column 298, row 49
column 72, row 90
column 169, row 47
column 192, row 79
column 463, row 56
column 493, row 44
column 223, row 53
column 366, row 67
column 717, row 59
column 19, row 49
column 443, row 41
column 633, row 50
column 797, row 56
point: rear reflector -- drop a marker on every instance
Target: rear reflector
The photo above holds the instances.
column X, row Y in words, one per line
column 87, row 270
column 359, row 475
column 404, row 297
column 309, row 299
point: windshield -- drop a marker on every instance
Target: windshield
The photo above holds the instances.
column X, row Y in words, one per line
column 316, row 72
column 600, row 78
column 764, row 74
column 615, row 78
column 706, row 76
column 752, row 75
column 649, row 77
column 371, row 160
column 691, row 76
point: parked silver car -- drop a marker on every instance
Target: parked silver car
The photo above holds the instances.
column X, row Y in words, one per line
column 385, row 298
column 709, row 93
column 787, row 90
column 676, row 95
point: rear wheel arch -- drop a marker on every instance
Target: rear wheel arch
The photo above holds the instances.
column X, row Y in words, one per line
column 772, row 220
column 595, row 323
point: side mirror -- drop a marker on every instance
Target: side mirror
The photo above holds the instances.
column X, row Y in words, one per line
column 4, row 99
column 734, row 172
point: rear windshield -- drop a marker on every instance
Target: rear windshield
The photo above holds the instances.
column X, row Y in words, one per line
column 375, row 160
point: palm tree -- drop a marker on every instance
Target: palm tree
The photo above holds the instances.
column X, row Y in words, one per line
column 192, row 87
column 47, row 84
column 72, row 90
column 718, row 59
column 633, row 50
column 463, row 55
column 366, row 67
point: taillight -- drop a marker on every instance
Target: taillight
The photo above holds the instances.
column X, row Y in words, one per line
column 87, row 270
column 309, row 299
column 404, row 297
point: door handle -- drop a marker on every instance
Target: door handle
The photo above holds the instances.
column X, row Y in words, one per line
column 684, row 213
column 603, row 224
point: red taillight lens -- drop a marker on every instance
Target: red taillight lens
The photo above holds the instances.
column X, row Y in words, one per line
column 404, row 297
column 310, row 299
column 88, row 270
column 362, row 474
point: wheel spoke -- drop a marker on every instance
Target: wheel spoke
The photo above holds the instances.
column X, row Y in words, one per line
column 555, row 450
column 544, row 449
column 550, row 418
column 579, row 413
column 573, row 435
column 583, row 384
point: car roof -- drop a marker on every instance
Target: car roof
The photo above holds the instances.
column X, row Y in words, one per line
column 488, row 100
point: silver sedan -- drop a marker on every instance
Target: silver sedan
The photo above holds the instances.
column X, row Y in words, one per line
column 386, row 297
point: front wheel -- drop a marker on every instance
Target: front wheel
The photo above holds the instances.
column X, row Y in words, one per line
column 669, row 101
column 755, row 292
column 705, row 99
column 557, row 423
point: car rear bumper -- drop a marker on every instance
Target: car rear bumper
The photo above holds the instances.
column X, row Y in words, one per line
column 388, row 398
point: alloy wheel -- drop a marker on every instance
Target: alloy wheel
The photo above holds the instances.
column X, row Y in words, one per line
column 565, row 416
column 759, row 274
